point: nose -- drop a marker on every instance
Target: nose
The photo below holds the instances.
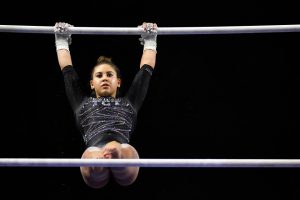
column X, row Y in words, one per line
column 105, row 78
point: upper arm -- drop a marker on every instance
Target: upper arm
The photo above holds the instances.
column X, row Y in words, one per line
column 73, row 87
column 139, row 87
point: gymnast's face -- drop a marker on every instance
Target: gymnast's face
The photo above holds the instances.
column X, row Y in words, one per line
column 105, row 81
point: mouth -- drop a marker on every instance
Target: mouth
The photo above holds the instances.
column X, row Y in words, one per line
column 105, row 85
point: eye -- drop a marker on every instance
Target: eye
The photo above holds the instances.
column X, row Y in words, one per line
column 110, row 74
column 99, row 75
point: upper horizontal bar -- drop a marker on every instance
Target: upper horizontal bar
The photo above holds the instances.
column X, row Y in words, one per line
column 161, row 30
column 201, row 163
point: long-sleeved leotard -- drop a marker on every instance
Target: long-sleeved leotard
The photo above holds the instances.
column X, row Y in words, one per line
column 105, row 119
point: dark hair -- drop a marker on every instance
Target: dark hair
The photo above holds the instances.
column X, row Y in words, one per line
column 106, row 60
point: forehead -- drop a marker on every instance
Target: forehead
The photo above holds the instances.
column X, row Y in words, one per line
column 103, row 68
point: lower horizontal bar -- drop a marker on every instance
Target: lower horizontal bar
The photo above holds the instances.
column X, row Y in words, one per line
column 161, row 30
column 200, row 163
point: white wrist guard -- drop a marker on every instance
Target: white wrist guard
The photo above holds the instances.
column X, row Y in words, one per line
column 150, row 44
column 61, row 43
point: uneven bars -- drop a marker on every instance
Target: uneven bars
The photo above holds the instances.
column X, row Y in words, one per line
column 161, row 30
column 200, row 163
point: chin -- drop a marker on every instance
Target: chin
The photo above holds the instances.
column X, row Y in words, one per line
column 106, row 94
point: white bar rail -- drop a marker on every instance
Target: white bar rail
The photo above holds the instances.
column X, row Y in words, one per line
column 200, row 163
column 161, row 30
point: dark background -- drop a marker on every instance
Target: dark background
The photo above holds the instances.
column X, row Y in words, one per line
column 211, row 96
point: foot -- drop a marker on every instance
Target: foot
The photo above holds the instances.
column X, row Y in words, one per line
column 112, row 150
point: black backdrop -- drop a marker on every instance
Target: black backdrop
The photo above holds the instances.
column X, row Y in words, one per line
column 211, row 96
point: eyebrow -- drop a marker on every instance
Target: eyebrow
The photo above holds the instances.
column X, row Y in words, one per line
column 105, row 72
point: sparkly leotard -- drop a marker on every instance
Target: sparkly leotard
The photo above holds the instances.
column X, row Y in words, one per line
column 104, row 119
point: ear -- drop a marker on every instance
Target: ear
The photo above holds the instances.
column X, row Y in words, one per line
column 92, row 84
column 119, row 82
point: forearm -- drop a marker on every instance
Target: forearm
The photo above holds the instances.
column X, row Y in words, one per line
column 149, row 58
column 64, row 58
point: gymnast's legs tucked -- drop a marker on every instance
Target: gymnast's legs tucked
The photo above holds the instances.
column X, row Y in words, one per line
column 98, row 177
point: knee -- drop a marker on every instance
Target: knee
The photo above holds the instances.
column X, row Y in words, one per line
column 128, row 178
column 95, row 184
column 126, row 182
